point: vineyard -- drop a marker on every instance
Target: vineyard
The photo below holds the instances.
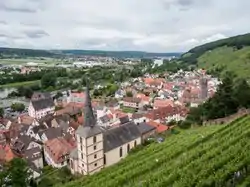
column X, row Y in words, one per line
column 216, row 155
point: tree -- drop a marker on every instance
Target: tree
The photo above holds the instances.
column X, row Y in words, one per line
column 129, row 94
column 1, row 112
column 17, row 107
column 48, row 79
column 16, row 173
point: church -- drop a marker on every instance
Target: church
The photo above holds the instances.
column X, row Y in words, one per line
column 98, row 147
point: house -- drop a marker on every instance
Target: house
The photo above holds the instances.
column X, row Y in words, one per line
column 138, row 118
column 77, row 97
column 132, row 102
column 104, row 121
column 98, row 147
column 160, row 128
column 40, row 105
column 146, row 130
column 6, row 154
column 51, row 133
column 158, row 103
column 119, row 94
column 56, row 152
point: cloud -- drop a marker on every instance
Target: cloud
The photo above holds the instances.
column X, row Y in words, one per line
column 25, row 6
column 36, row 33
column 159, row 25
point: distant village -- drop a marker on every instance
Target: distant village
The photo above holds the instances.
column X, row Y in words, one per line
column 87, row 134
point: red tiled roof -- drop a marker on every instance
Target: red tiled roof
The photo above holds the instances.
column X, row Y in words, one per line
column 132, row 100
column 148, row 80
column 57, row 148
column 159, row 127
column 6, row 153
column 163, row 103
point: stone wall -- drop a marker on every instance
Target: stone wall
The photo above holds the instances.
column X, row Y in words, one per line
column 228, row 119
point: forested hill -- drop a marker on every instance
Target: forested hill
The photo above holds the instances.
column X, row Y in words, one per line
column 23, row 53
column 231, row 54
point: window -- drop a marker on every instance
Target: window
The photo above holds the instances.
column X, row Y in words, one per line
column 94, row 139
column 120, row 151
column 82, row 155
column 95, row 147
column 81, row 147
column 80, row 140
column 135, row 143
column 71, row 164
column 128, row 148
column 104, row 159
column 95, row 156
column 82, row 165
column 95, row 164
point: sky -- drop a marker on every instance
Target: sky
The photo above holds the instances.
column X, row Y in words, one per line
column 135, row 25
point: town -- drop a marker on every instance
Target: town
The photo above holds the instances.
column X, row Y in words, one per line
column 86, row 133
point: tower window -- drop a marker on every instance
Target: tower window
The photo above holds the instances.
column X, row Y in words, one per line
column 94, row 139
column 95, row 147
column 104, row 159
column 128, row 148
column 120, row 151
column 95, row 156
column 95, row 164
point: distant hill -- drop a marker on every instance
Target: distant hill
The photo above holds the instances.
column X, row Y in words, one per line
column 118, row 54
column 231, row 54
column 15, row 52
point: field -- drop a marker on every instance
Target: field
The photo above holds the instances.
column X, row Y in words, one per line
column 26, row 60
column 205, row 156
column 18, row 84
column 237, row 61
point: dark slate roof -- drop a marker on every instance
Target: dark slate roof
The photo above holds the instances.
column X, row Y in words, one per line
column 124, row 120
column 39, row 128
column 144, row 128
column 89, row 127
column 123, row 134
column 52, row 133
column 42, row 103
column 87, row 132
column 104, row 119
column 29, row 154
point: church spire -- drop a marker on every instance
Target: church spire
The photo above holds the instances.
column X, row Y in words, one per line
column 89, row 118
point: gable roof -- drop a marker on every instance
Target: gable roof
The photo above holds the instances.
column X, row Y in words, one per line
column 118, row 136
column 145, row 128
column 132, row 99
column 52, row 133
column 57, row 148
column 42, row 103
column 159, row 127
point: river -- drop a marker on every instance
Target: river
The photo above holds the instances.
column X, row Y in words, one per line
column 5, row 91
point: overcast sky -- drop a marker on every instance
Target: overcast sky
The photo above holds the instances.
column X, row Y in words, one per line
column 143, row 25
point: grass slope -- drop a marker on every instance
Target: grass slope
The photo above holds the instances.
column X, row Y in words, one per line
column 205, row 156
column 227, row 58
column 232, row 54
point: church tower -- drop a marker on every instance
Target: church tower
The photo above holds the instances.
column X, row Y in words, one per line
column 204, row 88
column 89, row 141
